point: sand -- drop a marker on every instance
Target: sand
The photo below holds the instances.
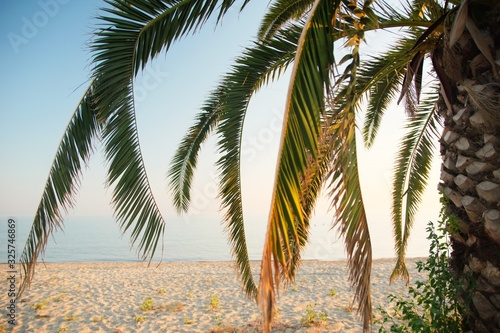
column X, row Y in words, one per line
column 187, row 297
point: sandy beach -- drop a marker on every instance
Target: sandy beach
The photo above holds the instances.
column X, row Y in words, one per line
column 187, row 297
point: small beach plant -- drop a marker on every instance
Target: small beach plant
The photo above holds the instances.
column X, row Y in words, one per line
column 432, row 306
column 41, row 305
column 147, row 304
column 313, row 318
column 70, row 317
column 214, row 303
column 97, row 319
column 61, row 296
column 139, row 319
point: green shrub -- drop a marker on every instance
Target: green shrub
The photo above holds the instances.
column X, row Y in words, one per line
column 432, row 305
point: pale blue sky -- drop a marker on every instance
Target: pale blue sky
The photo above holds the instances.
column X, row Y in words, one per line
column 44, row 67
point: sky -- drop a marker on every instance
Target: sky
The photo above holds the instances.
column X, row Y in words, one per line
column 45, row 69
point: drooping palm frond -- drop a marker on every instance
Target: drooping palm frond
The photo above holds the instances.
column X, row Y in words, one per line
column 132, row 33
column 380, row 78
column 412, row 168
column 225, row 110
column 62, row 184
column 132, row 199
column 282, row 12
column 344, row 185
column 310, row 80
column 347, row 201
column 256, row 66
column 181, row 170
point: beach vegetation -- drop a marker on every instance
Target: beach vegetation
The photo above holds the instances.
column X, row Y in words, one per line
column 431, row 306
column 139, row 319
column 218, row 319
column 40, row 305
column 147, row 304
column 97, row 319
column 63, row 329
column 214, row 303
column 162, row 291
column 70, row 317
column 333, row 292
column 61, row 296
column 313, row 318
column 189, row 321
column 318, row 148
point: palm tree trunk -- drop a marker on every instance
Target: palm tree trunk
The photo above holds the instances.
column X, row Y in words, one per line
column 470, row 147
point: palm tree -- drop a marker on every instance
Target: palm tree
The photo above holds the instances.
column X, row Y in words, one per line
column 318, row 144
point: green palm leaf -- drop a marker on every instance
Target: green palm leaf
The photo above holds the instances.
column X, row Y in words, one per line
column 62, row 184
column 411, row 174
column 226, row 109
column 186, row 156
column 254, row 68
column 310, row 80
column 279, row 14
column 133, row 33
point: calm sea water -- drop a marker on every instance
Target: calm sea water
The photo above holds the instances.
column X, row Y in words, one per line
column 100, row 240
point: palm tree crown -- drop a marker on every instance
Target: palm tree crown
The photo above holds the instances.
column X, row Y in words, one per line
column 318, row 143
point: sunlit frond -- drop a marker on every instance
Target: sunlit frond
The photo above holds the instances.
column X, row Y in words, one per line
column 132, row 198
column 225, row 110
column 62, row 184
column 256, row 66
column 350, row 216
column 310, row 80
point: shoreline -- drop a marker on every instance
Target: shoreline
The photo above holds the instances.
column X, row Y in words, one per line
column 203, row 296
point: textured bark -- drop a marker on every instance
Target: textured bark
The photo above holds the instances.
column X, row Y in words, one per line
column 470, row 147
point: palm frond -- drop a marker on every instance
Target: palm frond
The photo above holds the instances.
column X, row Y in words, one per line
column 346, row 198
column 310, row 80
column 62, row 184
column 257, row 65
column 380, row 78
column 412, row 168
column 184, row 162
column 132, row 33
column 279, row 14
column 225, row 110
column 132, row 199
column 344, row 185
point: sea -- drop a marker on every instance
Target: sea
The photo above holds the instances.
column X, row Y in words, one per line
column 100, row 239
